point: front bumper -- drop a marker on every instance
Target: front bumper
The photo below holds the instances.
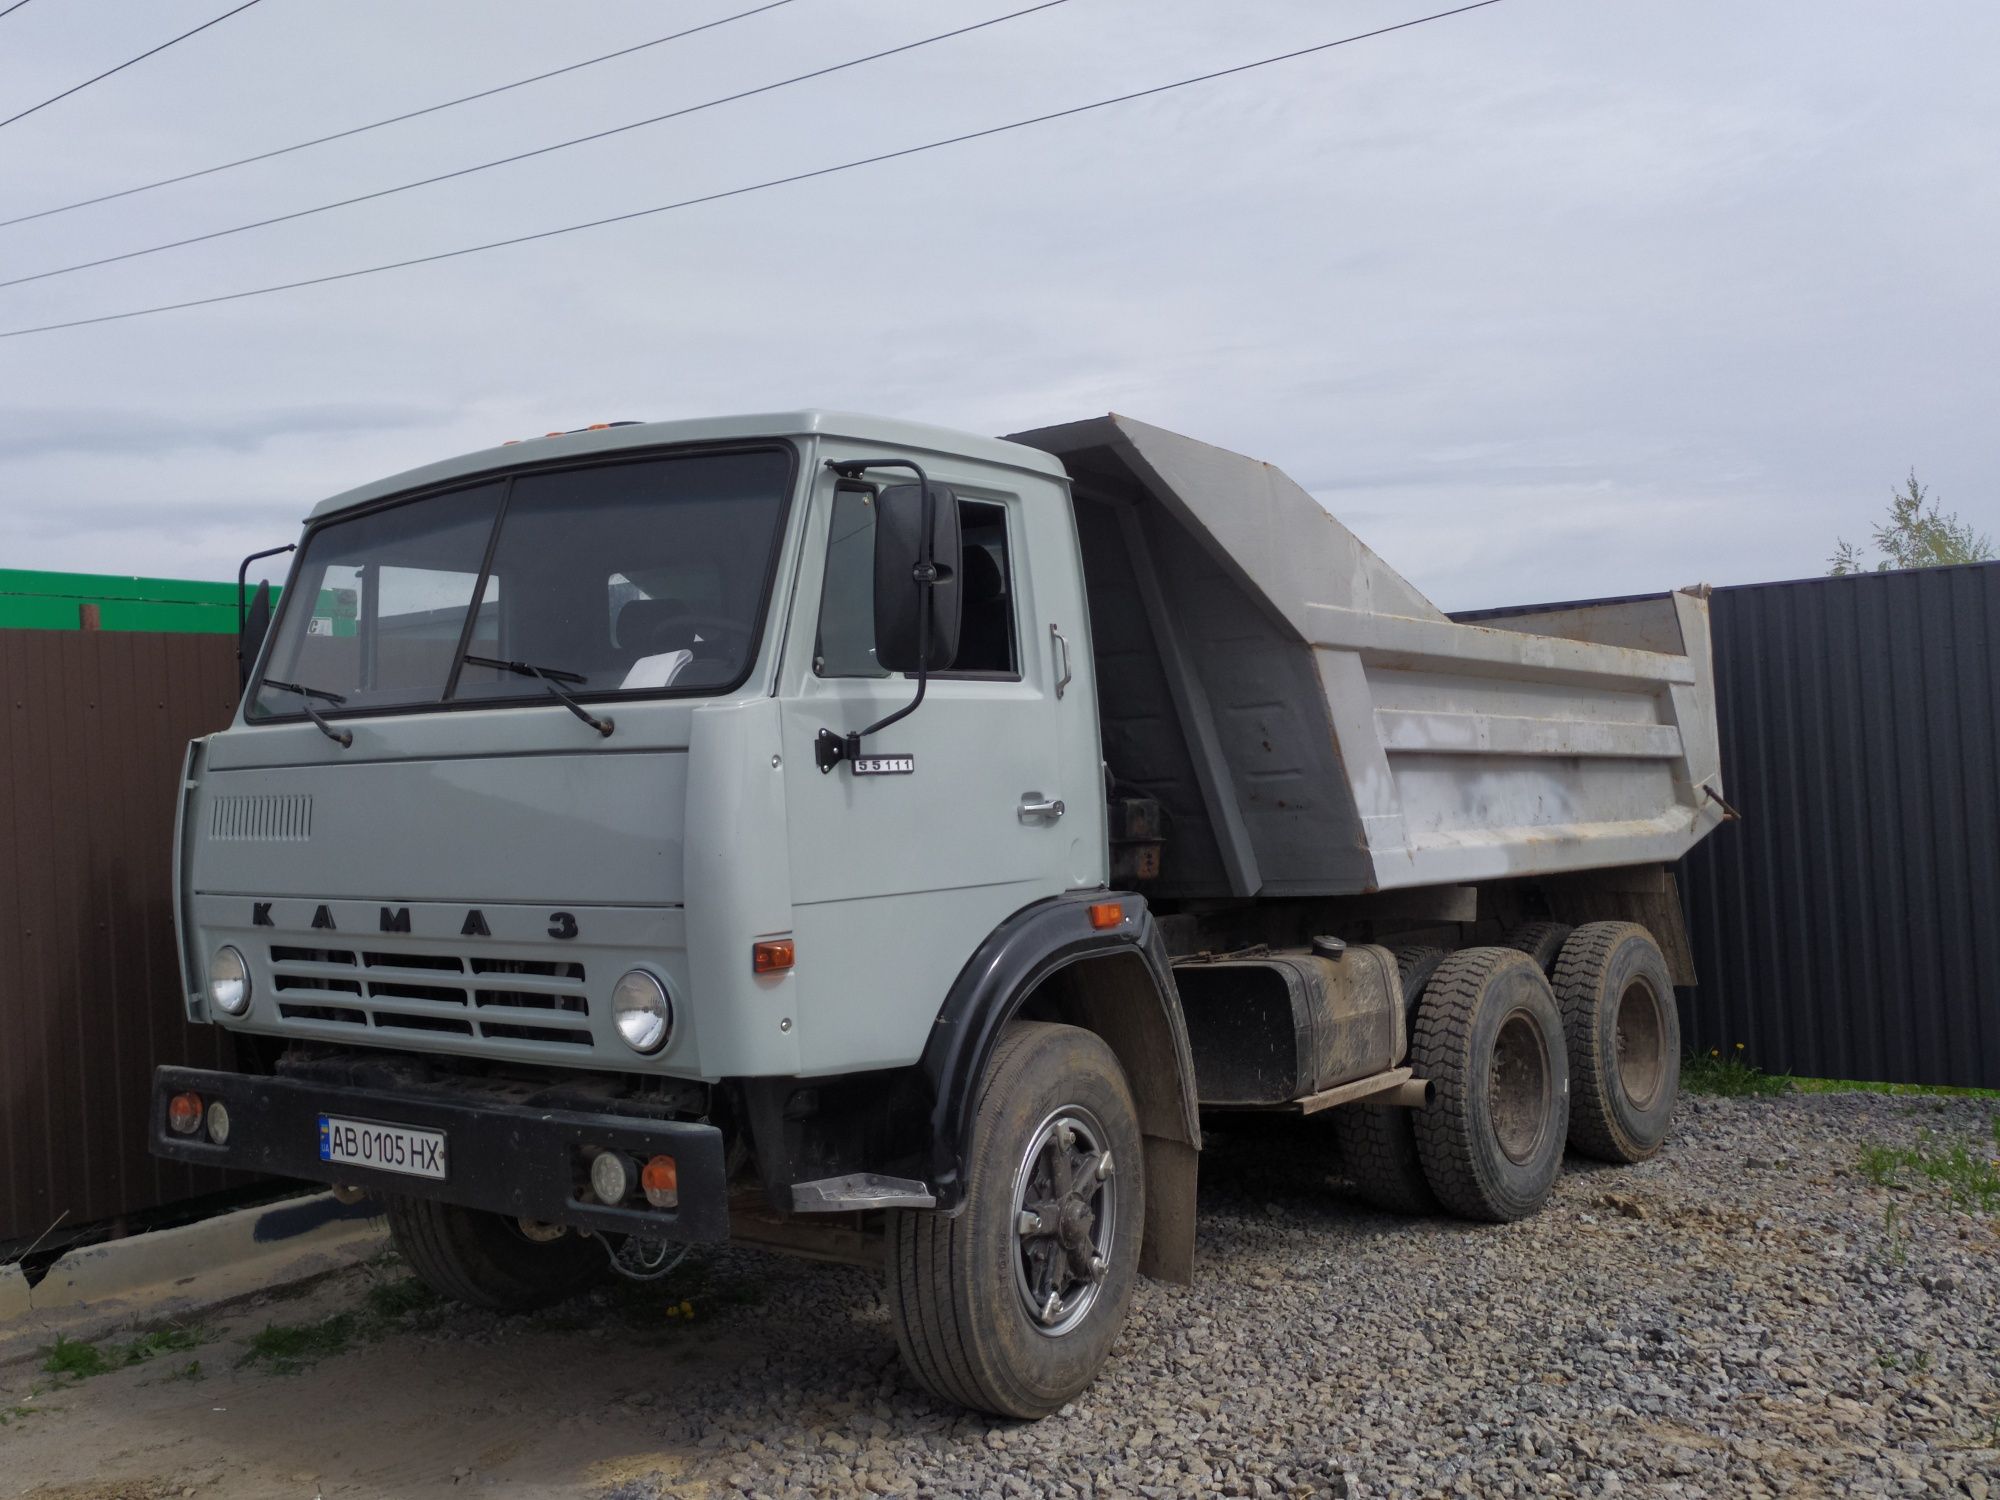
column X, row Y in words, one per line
column 522, row 1161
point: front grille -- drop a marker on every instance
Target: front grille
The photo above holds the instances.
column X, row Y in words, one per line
column 501, row 999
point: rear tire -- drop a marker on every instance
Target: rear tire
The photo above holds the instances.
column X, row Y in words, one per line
column 1490, row 1039
column 1624, row 1040
column 1541, row 941
column 968, row 1294
column 484, row 1260
column 1378, row 1142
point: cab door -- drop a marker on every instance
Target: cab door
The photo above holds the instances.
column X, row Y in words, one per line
column 958, row 816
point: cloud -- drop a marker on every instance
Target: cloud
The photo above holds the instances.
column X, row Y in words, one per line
column 1553, row 299
column 27, row 432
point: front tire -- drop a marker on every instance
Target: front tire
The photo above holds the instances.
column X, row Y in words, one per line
column 486, row 1261
column 1490, row 1039
column 1012, row 1306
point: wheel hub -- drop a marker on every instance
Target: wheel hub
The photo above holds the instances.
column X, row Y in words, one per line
column 1639, row 1040
column 1065, row 1213
column 1518, row 1091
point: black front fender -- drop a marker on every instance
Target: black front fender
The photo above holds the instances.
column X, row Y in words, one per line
column 1022, row 952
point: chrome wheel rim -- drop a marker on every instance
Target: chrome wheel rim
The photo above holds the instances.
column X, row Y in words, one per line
column 1065, row 1215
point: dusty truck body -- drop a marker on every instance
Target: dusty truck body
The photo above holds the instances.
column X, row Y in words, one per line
column 885, row 843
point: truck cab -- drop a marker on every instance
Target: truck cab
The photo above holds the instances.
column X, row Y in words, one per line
column 663, row 833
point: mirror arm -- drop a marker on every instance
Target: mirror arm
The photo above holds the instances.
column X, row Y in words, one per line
column 829, row 748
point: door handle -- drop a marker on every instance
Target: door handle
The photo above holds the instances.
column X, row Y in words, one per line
column 1062, row 648
column 1035, row 810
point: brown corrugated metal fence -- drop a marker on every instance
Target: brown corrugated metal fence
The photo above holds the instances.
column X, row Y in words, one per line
column 94, row 729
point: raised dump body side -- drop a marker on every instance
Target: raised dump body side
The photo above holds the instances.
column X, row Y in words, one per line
column 1314, row 726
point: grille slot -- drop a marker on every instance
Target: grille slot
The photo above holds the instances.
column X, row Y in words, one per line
column 534, row 1033
column 435, row 992
column 281, row 818
column 446, row 963
column 522, row 1000
column 337, row 1013
column 396, row 1021
column 398, row 990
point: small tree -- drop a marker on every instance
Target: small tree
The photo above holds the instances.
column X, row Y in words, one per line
column 1916, row 535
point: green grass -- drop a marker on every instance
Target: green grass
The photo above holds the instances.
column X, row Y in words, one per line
column 79, row 1359
column 1913, row 1090
column 1964, row 1173
column 392, row 1300
column 289, row 1347
column 1729, row 1077
column 11, row 1414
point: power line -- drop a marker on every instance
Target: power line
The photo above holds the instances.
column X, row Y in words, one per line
column 12, row 8
column 598, row 135
column 755, row 187
column 429, row 109
column 74, row 88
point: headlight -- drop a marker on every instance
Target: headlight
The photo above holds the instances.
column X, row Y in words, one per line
column 229, row 982
column 644, row 1014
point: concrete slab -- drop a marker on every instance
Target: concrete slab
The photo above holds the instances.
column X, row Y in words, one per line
column 180, row 1273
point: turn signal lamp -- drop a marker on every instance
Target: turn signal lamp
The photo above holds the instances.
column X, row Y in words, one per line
column 1104, row 914
column 661, row 1178
column 184, row 1113
column 773, row 956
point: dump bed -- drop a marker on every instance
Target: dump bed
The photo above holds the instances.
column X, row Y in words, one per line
column 1313, row 725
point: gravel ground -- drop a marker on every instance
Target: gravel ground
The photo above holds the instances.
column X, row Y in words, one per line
column 1746, row 1315
column 1743, row 1316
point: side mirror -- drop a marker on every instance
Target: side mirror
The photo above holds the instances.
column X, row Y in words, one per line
column 901, row 602
column 253, row 622
column 250, row 638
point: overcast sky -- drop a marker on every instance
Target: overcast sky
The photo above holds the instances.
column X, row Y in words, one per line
column 1554, row 299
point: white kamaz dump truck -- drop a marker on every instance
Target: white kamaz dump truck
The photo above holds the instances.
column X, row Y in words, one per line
column 887, row 843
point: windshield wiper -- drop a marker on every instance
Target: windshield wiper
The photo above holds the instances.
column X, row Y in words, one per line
column 340, row 737
column 553, row 679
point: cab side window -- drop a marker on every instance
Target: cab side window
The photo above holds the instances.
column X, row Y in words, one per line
column 846, row 645
column 986, row 593
column 986, row 633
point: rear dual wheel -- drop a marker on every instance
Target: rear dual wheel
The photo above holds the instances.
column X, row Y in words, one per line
column 1624, row 1039
column 1378, row 1142
column 1490, row 1040
column 1541, row 941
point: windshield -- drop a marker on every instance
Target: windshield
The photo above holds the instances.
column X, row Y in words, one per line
column 644, row 576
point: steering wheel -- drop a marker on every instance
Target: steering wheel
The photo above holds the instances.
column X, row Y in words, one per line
column 711, row 627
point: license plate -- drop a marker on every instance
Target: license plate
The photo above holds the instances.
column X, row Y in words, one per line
column 386, row 1148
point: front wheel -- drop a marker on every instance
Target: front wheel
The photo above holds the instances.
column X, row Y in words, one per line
column 1011, row 1306
column 490, row 1261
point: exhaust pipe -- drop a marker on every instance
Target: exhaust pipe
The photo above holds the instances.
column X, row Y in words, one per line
column 1412, row 1093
